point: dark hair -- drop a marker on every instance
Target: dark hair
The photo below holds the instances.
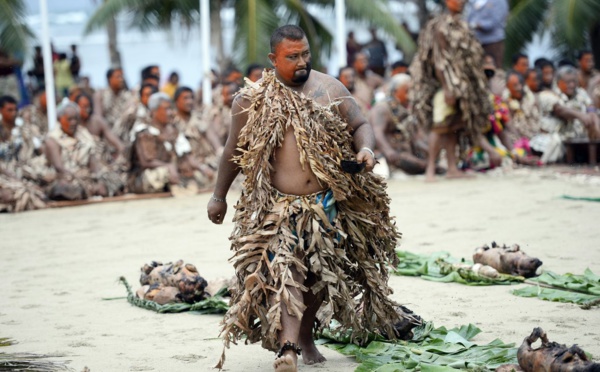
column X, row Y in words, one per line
column 517, row 57
column 172, row 74
column 180, row 91
column 82, row 95
column 342, row 69
column 147, row 71
column 543, row 62
column 151, row 76
column 290, row 32
column 565, row 62
column 252, row 67
column 515, row 73
column 582, row 53
column 7, row 99
column 111, row 71
column 397, row 64
column 146, row 85
column 62, row 56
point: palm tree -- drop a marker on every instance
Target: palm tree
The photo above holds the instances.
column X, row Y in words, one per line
column 14, row 33
column 570, row 23
column 255, row 20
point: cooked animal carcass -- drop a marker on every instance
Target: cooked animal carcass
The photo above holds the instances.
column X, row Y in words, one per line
column 552, row 357
column 171, row 283
column 507, row 260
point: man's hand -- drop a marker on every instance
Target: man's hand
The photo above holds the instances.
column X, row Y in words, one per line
column 216, row 211
column 393, row 157
column 495, row 159
column 365, row 156
column 449, row 98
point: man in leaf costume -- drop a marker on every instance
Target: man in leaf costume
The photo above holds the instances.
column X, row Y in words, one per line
column 450, row 93
column 308, row 236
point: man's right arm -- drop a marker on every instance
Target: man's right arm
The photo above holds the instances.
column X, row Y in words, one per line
column 52, row 152
column 378, row 117
column 228, row 170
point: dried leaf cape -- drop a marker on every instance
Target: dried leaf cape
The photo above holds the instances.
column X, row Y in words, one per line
column 460, row 59
column 348, row 256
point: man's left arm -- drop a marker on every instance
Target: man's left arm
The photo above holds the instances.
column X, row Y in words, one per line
column 364, row 138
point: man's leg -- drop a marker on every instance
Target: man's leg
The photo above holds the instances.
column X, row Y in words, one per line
column 290, row 330
column 434, row 150
column 310, row 354
column 451, row 140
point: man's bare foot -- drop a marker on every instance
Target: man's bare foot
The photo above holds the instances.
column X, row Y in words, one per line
column 310, row 353
column 286, row 363
column 430, row 174
column 455, row 174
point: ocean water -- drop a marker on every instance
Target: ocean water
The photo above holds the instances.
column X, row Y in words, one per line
column 179, row 49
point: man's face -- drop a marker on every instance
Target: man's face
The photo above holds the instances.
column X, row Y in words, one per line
column 401, row 94
column 587, row 62
column 547, row 75
column 116, row 81
column 347, row 78
column 360, row 63
column 69, row 121
column 255, row 74
column 43, row 101
column 235, row 77
column 185, row 102
column 568, row 84
column 146, row 93
column 85, row 108
column 522, row 65
column 9, row 112
column 532, row 81
column 164, row 113
column 455, row 6
column 515, row 87
column 228, row 92
column 155, row 71
column 292, row 61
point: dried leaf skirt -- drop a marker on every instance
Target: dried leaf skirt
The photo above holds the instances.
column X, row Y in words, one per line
column 305, row 233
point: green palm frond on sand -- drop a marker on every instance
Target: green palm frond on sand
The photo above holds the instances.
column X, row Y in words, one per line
column 26, row 362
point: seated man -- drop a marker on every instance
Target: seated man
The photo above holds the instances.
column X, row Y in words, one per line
column 19, row 142
column 219, row 115
column 586, row 68
column 160, row 158
column 136, row 113
column 366, row 82
column 101, row 133
column 69, row 150
column 396, row 132
column 111, row 102
column 205, row 142
column 567, row 112
column 36, row 114
column 524, row 114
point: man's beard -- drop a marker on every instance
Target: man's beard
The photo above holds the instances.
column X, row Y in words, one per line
column 303, row 78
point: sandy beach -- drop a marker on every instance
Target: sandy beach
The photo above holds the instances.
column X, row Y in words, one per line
column 59, row 264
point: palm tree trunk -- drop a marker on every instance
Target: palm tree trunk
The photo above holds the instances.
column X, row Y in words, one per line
column 422, row 13
column 595, row 42
column 217, row 35
column 115, row 56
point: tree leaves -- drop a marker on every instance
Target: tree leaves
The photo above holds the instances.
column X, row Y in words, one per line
column 579, row 289
column 14, row 33
column 211, row 305
column 431, row 349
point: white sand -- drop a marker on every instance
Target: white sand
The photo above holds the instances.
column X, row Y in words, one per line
column 58, row 264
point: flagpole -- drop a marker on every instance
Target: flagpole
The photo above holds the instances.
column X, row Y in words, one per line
column 340, row 34
column 205, row 35
column 48, row 67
